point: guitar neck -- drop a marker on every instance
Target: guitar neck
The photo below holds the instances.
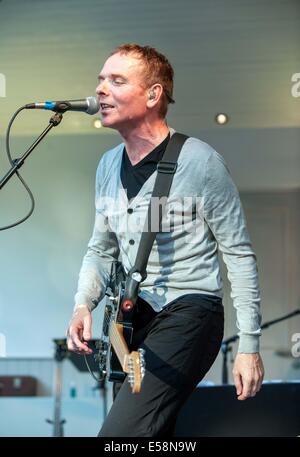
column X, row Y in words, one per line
column 119, row 344
column 132, row 363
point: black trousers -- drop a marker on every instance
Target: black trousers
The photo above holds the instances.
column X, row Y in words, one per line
column 181, row 343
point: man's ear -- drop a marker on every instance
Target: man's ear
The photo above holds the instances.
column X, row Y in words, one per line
column 154, row 94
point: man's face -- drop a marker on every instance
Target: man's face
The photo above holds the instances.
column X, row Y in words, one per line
column 122, row 92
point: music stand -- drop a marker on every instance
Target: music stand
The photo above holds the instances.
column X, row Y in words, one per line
column 78, row 360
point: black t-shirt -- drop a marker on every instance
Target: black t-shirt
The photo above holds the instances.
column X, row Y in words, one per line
column 133, row 177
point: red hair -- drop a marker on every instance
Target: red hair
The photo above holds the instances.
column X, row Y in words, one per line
column 157, row 70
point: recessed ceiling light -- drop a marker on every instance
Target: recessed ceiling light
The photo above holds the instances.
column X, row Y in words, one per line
column 221, row 118
column 97, row 124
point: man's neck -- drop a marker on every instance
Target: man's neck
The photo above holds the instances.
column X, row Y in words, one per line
column 140, row 142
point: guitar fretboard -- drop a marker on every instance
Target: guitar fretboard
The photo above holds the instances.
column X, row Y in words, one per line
column 119, row 344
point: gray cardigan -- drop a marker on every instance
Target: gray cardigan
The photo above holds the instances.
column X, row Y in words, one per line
column 204, row 214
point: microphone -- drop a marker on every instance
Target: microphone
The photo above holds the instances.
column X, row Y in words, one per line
column 89, row 105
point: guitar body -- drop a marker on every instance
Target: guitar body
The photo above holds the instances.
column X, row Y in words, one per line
column 115, row 361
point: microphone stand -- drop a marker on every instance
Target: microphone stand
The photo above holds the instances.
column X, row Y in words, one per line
column 226, row 344
column 53, row 122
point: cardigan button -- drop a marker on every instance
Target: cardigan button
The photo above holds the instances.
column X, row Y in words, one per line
column 130, row 210
column 131, row 241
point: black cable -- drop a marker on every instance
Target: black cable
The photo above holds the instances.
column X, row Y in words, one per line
column 98, row 379
column 12, row 162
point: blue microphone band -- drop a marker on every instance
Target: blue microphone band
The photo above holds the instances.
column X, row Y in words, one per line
column 49, row 105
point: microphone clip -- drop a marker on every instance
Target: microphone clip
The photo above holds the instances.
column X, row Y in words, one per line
column 56, row 119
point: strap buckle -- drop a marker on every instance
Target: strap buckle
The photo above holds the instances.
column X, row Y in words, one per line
column 136, row 275
column 166, row 167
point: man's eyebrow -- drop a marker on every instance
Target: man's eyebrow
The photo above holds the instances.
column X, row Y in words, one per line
column 113, row 75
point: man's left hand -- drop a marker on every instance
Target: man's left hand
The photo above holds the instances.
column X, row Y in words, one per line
column 248, row 374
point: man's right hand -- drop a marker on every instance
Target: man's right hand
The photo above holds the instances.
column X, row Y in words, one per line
column 80, row 330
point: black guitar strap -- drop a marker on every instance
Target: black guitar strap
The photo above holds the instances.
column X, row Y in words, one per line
column 166, row 169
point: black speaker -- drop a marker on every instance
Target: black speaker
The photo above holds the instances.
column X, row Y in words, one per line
column 215, row 411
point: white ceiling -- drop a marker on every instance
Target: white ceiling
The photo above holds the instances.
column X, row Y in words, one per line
column 236, row 56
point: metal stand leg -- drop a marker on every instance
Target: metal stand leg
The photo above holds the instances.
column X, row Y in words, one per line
column 57, row 389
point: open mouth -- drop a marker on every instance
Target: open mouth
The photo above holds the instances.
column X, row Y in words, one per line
column 106, row 107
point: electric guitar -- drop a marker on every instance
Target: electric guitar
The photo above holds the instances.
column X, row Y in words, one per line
column 115, row 360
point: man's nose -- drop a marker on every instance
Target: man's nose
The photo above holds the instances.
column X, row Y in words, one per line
column 102, row 88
